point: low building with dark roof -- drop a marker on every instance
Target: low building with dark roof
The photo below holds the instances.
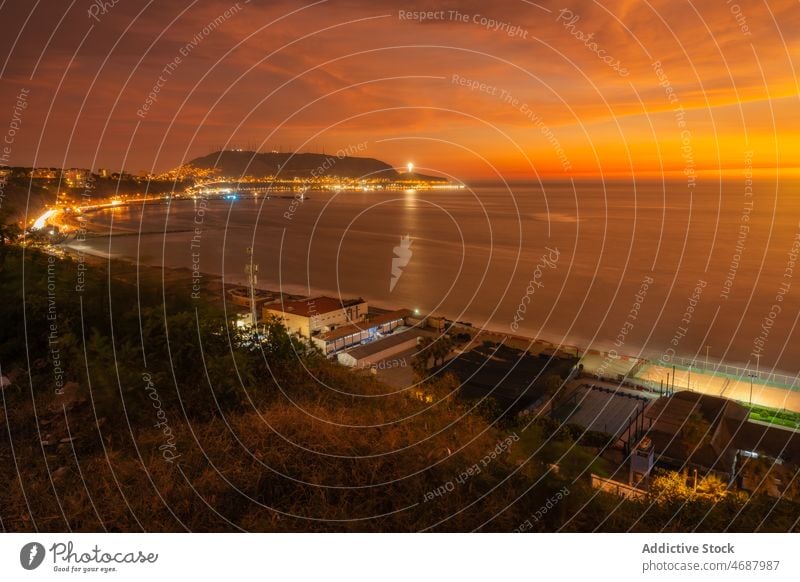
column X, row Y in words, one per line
column 368, row 354
column 690, row 430
column 513, row 378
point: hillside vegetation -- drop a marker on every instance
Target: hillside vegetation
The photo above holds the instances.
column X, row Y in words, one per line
column 164, row 419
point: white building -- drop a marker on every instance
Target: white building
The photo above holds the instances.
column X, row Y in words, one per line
column 318, row 314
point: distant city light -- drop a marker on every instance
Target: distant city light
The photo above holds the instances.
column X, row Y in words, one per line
column 410, row 167
column 42, row 220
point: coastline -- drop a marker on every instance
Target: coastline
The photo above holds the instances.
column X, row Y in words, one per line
column 715, row 377
column 537, row 345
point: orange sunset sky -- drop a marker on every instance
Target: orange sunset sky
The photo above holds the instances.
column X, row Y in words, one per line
column 477, row 90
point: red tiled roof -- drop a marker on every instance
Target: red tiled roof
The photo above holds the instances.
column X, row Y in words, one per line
column 308, row 307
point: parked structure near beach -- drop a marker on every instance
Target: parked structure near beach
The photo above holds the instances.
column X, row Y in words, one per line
column 347, row 336
column 371, row 353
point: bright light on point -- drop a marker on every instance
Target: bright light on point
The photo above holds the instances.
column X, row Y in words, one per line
column 41, row 222
column 410, row 167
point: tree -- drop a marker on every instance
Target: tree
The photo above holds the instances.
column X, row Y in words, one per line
column 712, row 487
column 419, row 363
column 670, row 487
column 440, row 348
column 9, row 230
column 759, row 470
column 553, row 389
column 488, row 409
column 791, row 488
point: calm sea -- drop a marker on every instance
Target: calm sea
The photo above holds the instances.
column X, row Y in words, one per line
column 651, row 267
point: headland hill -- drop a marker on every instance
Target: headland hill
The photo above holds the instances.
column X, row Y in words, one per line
column 27, row 193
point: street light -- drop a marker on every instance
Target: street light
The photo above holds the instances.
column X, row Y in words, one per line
column 752, row 375
column 707, row 348
column 689, row 378
column 758, row 364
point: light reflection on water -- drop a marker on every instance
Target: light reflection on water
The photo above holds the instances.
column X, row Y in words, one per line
column 473, row 252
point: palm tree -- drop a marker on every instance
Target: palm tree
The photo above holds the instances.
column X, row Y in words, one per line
column 419, row 363
column 441, row 348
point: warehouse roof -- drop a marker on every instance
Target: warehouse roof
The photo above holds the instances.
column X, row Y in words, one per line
column 372, row 348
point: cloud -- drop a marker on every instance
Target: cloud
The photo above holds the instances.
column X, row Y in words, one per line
column 353, row 70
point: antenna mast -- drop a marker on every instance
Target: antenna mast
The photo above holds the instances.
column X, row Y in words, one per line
column 251, row 270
